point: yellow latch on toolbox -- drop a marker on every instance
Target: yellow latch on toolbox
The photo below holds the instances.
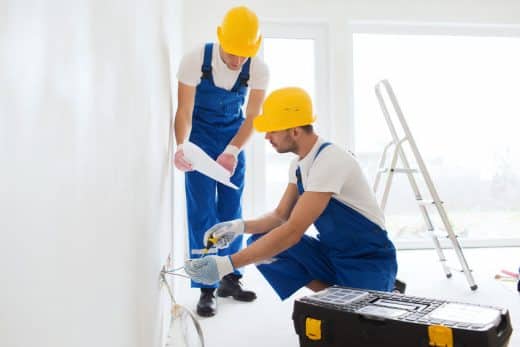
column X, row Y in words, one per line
column 313, row 329
column 440, row 336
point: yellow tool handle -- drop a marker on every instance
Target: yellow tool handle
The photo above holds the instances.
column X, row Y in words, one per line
column 210, row 243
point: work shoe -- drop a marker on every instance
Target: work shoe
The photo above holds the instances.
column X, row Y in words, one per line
column 230, row 286
column 399, row 286
column 207, row 305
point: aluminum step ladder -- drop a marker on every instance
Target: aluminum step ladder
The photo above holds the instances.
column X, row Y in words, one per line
column 424, row 205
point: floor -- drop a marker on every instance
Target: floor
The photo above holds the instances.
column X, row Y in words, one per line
column 267, row 321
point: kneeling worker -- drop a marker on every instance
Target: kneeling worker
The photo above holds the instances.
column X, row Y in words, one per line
column 326, row 188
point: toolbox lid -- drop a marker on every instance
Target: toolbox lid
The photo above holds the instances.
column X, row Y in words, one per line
column 470, row 314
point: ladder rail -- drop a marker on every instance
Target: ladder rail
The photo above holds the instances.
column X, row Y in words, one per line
column 415, row 188
column 391, row 172
column 393, row 132
column 426, row 176
column 404, row 160
column 381, row 164
column 411, row 140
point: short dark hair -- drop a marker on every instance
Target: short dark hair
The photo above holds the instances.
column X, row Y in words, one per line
column 307, row 128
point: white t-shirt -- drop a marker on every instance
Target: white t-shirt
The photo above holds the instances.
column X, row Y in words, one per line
column 190, row 72
column 336, row 171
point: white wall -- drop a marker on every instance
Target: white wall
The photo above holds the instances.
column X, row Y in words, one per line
column 85, row 192
column 202, row 18
column 179, row 250
column 180, row 232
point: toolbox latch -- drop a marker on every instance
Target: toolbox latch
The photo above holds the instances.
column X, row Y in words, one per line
column 440, row 336
column 313, row 329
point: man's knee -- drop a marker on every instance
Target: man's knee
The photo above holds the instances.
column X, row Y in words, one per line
column 252, row 239
column 316, row 285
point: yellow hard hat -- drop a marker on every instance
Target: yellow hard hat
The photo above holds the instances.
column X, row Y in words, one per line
column 239, row 33
column 285, row 108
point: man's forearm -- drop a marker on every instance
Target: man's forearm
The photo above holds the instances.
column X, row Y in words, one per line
column 263, row 224
column 243, row 134
column 182, row 122
column 181, row 127
column 306, row 211
column 254, row 105
column 268, row 246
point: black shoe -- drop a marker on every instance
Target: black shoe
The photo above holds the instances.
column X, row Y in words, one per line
column 207, row 305
column 230, row 286
column 399, row 286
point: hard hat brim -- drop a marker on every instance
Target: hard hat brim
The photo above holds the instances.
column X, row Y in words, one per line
column 244, row 51
column 263, row 124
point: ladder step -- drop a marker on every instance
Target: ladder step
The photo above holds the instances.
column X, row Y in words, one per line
column 397, row 170
column 444, row 235
column 458, row 269
column 423, row 202
column 438, row 233
column 441, row 233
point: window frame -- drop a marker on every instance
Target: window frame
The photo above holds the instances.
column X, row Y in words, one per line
column 439, row 29
column 254, row 193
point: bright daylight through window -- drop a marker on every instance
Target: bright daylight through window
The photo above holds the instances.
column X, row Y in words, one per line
column 459, row 95
column 285, row 70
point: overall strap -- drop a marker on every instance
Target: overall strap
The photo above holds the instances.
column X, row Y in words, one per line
column 299, row 172
column 323, row 145
column 206, row 65
column 243, row 78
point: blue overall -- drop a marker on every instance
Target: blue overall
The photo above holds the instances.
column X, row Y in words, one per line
column 217, row 116
column 349, row 250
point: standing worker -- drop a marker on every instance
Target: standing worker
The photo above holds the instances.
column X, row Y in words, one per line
column 213, row 84
column 326, row 187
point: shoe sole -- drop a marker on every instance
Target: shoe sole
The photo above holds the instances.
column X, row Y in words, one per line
column 399, row 287
column 206, row 314
column 237, row 298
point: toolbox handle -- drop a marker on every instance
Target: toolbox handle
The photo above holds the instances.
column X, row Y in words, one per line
column 373, row 318
column 502, row 326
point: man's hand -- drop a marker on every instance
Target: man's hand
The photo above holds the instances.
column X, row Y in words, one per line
column 222, row 234
column 180, row 162
column 228, row 158
column 208, row 270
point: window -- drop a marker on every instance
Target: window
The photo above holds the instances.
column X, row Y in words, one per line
column 292, row 53
column 459, row 95
column 291, row 62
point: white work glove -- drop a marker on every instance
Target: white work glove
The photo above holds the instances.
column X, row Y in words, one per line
column 222, row 234
column 180, row 161
column 208, row 270
column 228, row 158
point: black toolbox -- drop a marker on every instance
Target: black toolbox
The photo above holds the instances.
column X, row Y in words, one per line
column 349, row 317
